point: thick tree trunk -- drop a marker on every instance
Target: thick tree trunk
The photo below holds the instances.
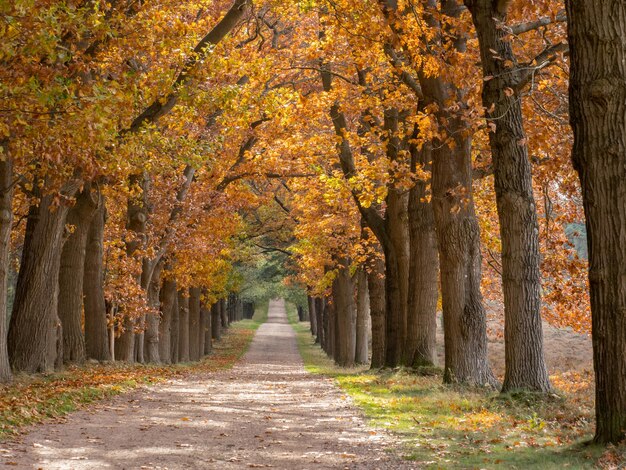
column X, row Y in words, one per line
column 216, row 321
column 34, row 322
column 319, row 310
column 96, row 329
column 458, row 236
column 205, row 315
column 361, row 355
column 331, row 327
column 6, row 217
column 139, row 340
column 376, row 290
column 128, row 344
column 175, row 330
column 345, row 312
column 71, row 275
column 183, row 327
column 312, row 314
column 151, row 334
column 194, row 324
column 598, row 117
column 224, row 314
column 458, row 233
column 396, row 255
column 125, row 342
column 167, row 301
column 519, row 229
column 420, row 344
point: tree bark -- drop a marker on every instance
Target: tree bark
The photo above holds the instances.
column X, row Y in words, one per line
column 224, row 314
column 151, row 334
column 167, row 301
column 125, row 342
column 525, row 366
column 458, row 237
column 345, row 313
column 420, row 348
column 396, row 255
column 330, row 327
column 6, row 217
column 205, row 314
column 96, row 329
column 598, row 117
column 376, row 289
column 139, row 340
column 361, row 355
column 319, row 310
column 458, row 233
column 390, row 231
column 312, row 314
column 216, row 322
column 71, row 275
column 194, row 324
column 183, row 326
column 34, row 322
column 175, row 329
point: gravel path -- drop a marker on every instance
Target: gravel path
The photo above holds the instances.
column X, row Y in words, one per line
column 267, row 412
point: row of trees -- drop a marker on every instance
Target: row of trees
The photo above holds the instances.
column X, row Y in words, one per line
column 150, row 149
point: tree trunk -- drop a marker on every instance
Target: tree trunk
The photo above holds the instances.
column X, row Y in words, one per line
column 167, row 301
column 420, row 346
column 598, row 117
column 319, row 310
column 216, row 322
column 312, row 314
column 71, row 275
column 96, row 329
column 224, row 313
column 345, row 313
column 205, row 314
column 6, row 216
column 151, row 335
column 34, row 322
column 362, row 319
column 125, row 342
column 519, row 229
column 396, row 255
column 175, row 329
column 376, row 290
column 458, row 233
column 183, row 327
column 330, row 336
column 139, row 340
column 458, row 236
column 194, row 324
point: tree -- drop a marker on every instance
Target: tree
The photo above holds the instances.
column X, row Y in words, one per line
column 596, row 31
column 519, row 230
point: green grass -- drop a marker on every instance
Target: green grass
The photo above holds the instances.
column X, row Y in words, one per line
column 466, row 428
column 32, row 399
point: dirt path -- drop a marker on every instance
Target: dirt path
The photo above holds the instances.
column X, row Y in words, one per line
column 265, row 412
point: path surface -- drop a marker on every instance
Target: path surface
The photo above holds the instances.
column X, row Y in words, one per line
column 267, row 412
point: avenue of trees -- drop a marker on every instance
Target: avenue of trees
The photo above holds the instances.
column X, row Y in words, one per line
column 392, row 158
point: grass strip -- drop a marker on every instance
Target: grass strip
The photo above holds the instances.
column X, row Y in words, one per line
column 453, row 427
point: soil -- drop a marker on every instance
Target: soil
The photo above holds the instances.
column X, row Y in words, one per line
column 267, row 412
